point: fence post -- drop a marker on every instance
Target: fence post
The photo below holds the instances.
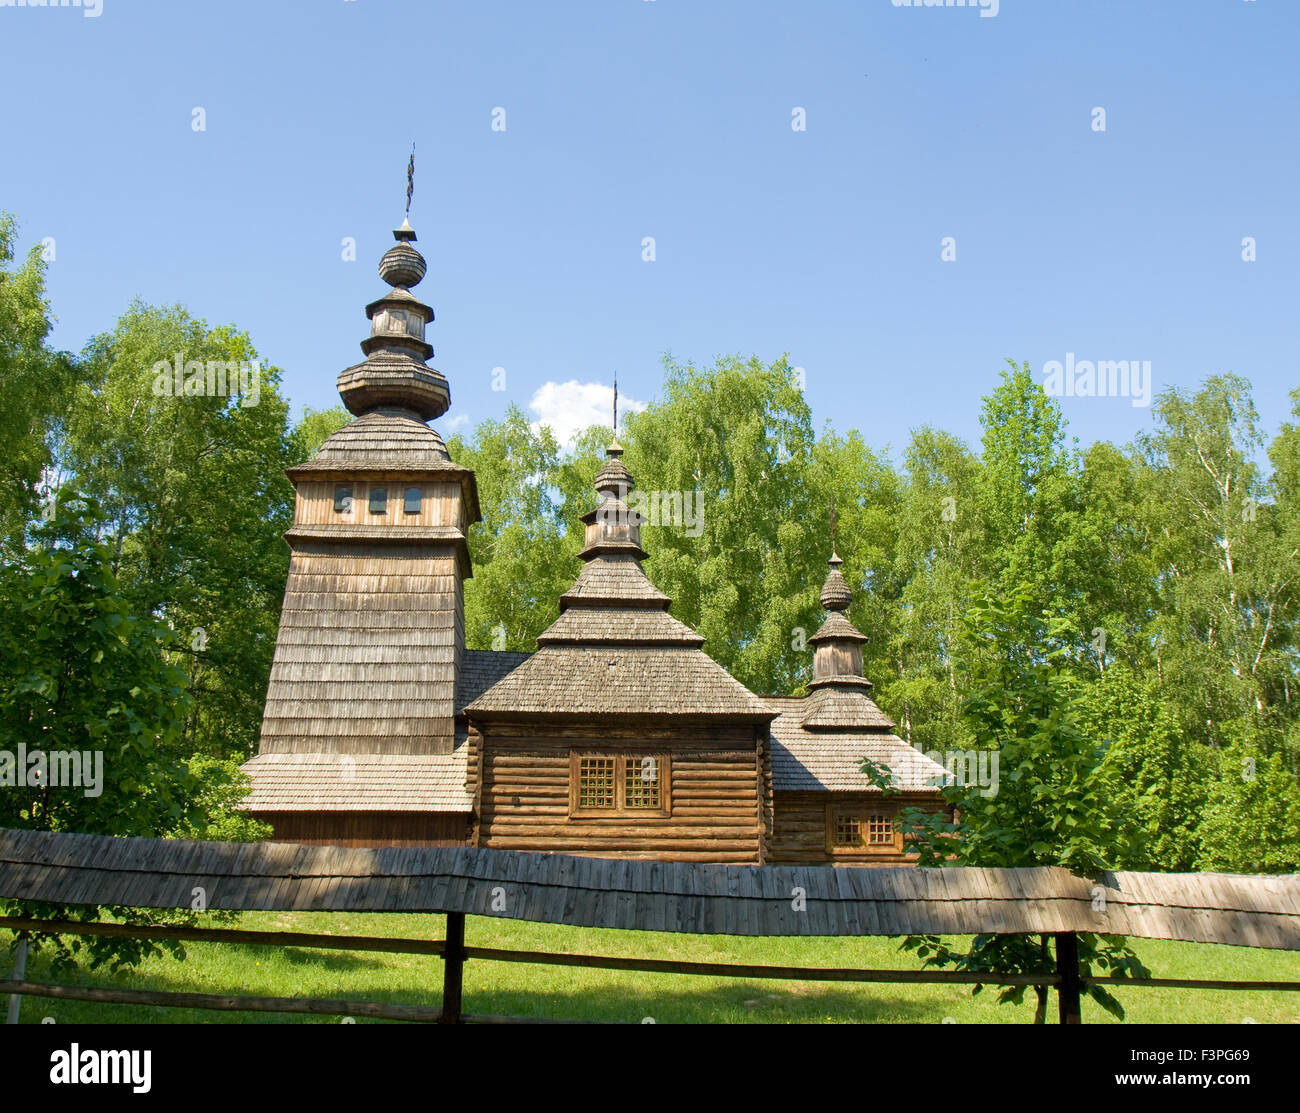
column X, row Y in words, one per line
column 1067, row 965
column 19, row 974
column 453, row 968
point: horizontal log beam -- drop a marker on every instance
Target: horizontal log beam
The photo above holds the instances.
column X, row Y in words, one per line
column 227, row 935
column 740, row 970
column 223, row 1003
column 1194, row 983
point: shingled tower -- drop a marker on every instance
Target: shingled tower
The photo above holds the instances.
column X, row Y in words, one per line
column 371, row 636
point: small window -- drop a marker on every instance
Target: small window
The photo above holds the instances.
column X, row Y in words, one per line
column 880, row 830
column 623, row 785
column 378, row 500
column 342, row 500
column 848, row 831
column 411, row 501
column 641, row 783
column 596, row 782
column 861, row 829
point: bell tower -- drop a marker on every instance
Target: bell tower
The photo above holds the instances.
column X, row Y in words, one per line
column 372, row 633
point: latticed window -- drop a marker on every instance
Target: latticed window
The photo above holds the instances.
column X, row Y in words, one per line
column 619, row 784
column 342, row 499
column 378, row 500
column 848, row 831
column 641, row 783
column 596, row 782
column 861, row 828
column 880, row 830
column 411, row 500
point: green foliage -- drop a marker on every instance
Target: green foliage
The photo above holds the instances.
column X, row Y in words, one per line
column 1252, row 820
column 34, row 383
column 222, row 787
column 1050, row 807
column 196, row 504
column 523, row 553
column 82, row 671
column 739, row 435
column 313, row 430
column 1156, row 782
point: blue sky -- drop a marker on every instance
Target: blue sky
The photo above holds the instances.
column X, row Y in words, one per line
column 635, row 118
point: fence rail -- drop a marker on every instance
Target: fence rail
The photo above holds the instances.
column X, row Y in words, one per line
column 1068, row 984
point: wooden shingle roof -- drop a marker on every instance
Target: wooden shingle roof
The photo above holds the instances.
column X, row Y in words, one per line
column 617, row 580
column 821, row 760
column 618, row 626
column 358, row 782
column 624, row 680
column 650, row 896
column 480, row 669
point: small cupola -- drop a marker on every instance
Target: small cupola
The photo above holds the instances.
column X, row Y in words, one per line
column 837, row 646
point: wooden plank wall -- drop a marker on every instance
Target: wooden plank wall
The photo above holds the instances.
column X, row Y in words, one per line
column 800, row 833
column 441, row 505
column 716, row 778
column 373, row 829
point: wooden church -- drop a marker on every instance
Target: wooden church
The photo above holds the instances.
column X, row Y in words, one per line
column 618, row 737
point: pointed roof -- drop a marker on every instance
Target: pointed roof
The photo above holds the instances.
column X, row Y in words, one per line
column 615, row 649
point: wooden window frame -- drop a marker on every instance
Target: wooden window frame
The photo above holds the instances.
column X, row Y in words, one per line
column 863, row 813
column 380, row 495
column 418, row 492
column 342, row 500
column 620, row 810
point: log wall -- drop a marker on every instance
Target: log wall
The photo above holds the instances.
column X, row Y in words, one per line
column 371, row 829
column 520, row 778
column 802, row 834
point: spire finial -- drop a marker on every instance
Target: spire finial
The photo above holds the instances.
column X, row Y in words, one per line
column 615, row 449
column 410, row 180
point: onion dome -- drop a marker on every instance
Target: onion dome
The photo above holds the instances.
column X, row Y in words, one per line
column 836, row 595
column 402, row 265
column 395, row 374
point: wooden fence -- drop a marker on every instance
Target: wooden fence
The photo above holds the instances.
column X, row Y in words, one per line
column 703, row 899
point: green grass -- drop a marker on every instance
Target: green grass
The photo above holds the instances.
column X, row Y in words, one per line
column 516, row 989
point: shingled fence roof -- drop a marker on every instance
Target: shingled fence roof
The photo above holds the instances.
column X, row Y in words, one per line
column 1255, row 911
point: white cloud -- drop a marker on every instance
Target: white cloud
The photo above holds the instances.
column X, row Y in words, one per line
column 456, row 422
column 569, row 408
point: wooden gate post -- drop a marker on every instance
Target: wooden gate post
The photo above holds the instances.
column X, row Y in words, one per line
column 453, row 968
column 19, row 974
column 1067, row 965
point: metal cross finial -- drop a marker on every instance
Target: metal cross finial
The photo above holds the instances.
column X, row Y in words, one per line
column 410, row 179
column 616, row 404
column 832, row 523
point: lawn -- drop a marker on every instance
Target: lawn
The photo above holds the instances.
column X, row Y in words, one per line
column 514, row 989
